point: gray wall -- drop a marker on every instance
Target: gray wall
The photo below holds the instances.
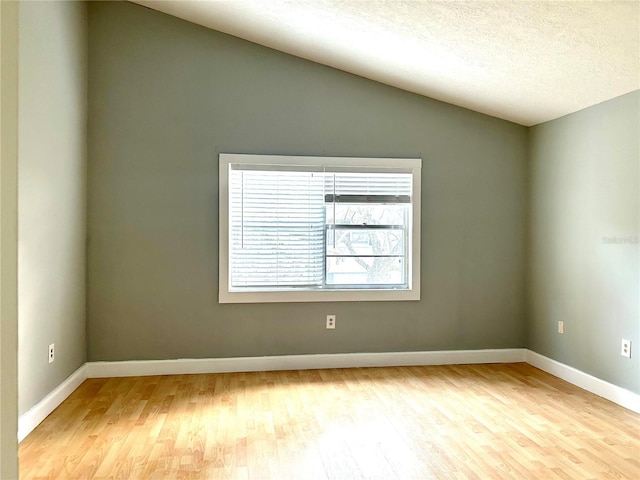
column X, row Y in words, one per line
column 52, row 195
column 166, row 96
column 8, row 240
column 585, row 188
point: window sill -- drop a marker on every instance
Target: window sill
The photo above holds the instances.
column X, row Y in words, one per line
column 320, row 296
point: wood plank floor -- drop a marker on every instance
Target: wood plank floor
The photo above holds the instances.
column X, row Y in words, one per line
column 443, row 422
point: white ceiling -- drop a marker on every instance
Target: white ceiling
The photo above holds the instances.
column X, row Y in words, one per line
column 524, row 61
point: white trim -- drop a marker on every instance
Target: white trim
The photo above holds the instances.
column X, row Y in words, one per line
column 300, row 362
column 29, row 420
column 227, row 295
column 307, row 296
column 619, row 395
column 384, row 164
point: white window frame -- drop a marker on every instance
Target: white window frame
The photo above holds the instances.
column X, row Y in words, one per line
column 412, row 293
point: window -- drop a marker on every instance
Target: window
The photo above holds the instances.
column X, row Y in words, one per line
column 296, row 229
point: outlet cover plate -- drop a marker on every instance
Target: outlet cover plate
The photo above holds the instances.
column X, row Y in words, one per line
column 625, row 349
column 331, row 322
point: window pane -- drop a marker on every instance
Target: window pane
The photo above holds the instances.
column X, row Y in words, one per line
column 365, row 271
column 366, row 214
column 365, row 241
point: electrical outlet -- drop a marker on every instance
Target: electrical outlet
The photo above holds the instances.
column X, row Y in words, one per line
column 331, row 321
column 625, row 351
column 560, row 326
column 52, row 352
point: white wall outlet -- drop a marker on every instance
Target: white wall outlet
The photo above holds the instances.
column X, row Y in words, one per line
column 52, row 352
column 331, row 321
column 560, row 326
column 625, row 350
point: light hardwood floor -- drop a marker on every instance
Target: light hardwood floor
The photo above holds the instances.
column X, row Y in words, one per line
column 445, row 422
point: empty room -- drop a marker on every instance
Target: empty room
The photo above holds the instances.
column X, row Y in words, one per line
column 320, row 239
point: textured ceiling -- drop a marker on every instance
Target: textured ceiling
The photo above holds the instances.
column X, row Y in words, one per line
column 524, row 61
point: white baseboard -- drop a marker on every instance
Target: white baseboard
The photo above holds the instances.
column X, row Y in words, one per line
column 31, row 419
column 301, row 362
column 619, row 395
column 36, row 414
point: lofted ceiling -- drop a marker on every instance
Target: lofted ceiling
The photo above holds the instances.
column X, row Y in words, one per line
column 523, row 61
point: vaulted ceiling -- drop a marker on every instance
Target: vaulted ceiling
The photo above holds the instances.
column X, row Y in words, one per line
column 523, row 61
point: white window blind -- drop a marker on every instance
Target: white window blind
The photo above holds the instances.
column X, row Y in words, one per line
column 277, row 228
column 363, row 187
